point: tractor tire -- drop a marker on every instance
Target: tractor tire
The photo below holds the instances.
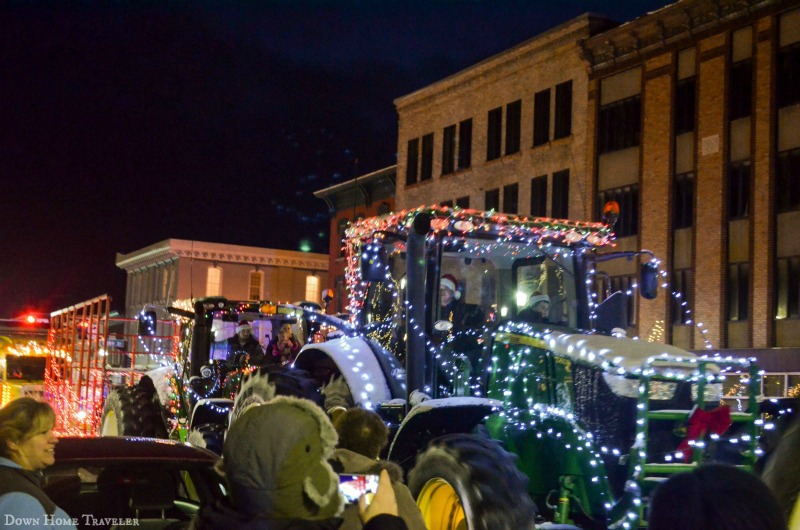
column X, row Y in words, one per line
column 469, row 482
column 133, row 411
column 211, row 436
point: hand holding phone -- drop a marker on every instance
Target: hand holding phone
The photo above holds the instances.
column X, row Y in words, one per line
column 353, row 486
column 384, row 501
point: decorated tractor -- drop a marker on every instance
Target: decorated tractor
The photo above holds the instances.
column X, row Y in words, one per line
column 192, row 396
column 507, row 414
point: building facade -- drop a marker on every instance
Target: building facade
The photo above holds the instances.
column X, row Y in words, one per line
column 179, row 270
column 507, row 134
column 694, row 129
column 365, row 196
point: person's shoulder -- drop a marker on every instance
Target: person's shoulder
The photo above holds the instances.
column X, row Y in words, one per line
column 19, row 504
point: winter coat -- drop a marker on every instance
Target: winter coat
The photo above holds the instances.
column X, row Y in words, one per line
column 251, row 347
column 276, row 356
column 23, row 504
column 222, row 517
column 346, row 461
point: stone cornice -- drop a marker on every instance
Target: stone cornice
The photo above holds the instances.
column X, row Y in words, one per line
column 571, row 32
column 174, row 249
column 683, row 21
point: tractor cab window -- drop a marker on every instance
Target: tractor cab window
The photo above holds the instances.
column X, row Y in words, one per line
column 383, row 309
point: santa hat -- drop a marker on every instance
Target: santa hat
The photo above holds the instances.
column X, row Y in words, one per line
column 536, row 298
column 449, row 282
column 244, row 324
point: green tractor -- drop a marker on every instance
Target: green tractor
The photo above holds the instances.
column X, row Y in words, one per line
column 504, row 421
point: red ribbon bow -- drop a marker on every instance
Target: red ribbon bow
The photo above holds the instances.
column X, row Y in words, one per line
column 701, row 422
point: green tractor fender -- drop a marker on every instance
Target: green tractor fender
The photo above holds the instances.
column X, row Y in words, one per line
column 434, row 418
column 567, row 476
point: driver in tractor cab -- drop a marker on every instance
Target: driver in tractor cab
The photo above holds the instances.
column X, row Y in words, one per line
column 243, row 345
column 462, row 316
column 537, row 310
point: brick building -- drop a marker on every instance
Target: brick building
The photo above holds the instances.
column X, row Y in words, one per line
column 507, row 134
column 694, row 128
column 365, row 196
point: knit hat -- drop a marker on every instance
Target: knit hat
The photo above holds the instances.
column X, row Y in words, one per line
column 449, row 281
column 536, row 298
column 276, row 460
column 244, row 324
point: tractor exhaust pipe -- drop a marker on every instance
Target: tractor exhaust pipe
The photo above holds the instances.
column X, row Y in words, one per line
column 415, row 304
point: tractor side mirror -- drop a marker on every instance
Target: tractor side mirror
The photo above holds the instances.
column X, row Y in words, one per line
column 146, row 326
column 373, row 263
column 648, row 280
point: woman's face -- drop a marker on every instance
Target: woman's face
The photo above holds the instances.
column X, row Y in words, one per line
column 37, row 451
column 286, row 330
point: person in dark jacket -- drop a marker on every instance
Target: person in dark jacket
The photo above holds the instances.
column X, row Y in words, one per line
column 27, row 446
column 537, row 310
column 275, row 461
column 362, row 437
column 243, row 345
column 462, row 316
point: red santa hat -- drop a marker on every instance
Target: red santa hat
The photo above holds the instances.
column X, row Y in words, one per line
column 244, row 324
column 449, row 281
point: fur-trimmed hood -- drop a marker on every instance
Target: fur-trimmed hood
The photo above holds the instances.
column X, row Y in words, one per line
column 276, row 461
column 346, row 461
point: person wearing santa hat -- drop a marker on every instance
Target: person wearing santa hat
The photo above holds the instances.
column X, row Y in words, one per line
column 244, row 344
column 537, row 310
column 453, row 309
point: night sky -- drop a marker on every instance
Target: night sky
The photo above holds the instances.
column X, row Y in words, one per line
column 125, row 123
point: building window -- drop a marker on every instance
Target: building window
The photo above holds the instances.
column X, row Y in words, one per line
column 463, row 202
column 787, row 288
column 620, row 125
column 780, row 385
column 383, row 208
column 740, row 90
column 541, row 117
column 492, row 200
column 788, row 75
column 683, row 201
column 559, row 208
column 214, row 281
column 465, row 144
column 738, row 190
column 513, row 122
column 254, row 289
column 787, row 175
column 494, row 134
column 426, row 168
column 312, row 288
column 682, row 299
column 738, row 290
column 448, row 204
column 539, row 196
column 511, row 198
column 628, row 199
column 412, row 162
column 684, row 108
column 563, row 118
column 448, row 150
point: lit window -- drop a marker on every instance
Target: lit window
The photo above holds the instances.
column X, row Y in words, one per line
column 312, row 288
column 214, row 281
column 254, row 290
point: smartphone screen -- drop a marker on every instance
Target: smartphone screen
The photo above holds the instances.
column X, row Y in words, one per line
column 353, row 486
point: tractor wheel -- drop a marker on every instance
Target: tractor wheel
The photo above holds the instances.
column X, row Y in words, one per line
column 133, row 411
column 211, row 436
column 468, row 482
